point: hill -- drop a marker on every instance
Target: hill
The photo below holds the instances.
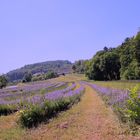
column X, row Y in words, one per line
column 59, row 66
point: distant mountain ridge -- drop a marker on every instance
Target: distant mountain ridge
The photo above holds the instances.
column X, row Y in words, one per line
column 59, row 66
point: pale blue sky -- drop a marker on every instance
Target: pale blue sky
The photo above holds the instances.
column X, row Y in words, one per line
column 40, row 30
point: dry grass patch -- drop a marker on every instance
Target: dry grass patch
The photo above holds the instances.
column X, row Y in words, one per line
column 9, row 129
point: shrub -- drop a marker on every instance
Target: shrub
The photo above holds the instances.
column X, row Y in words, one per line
column 31, row 117
column 37, row 113
column 6, row 109
column 50, row 75
column 132, row 111
column 3, row 81
column 43, row 91
column 27, row 77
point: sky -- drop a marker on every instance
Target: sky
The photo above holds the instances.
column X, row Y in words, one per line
column 40, row 30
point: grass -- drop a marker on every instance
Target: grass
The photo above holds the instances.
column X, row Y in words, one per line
column 71, row 78
column 89, row 119
column 82, row 121
column 127, row 109
column 116, row 84
column 9, row 130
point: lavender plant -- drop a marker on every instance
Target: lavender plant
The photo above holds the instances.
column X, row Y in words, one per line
column 22, row 96
column 126, row 103
column 50, row 106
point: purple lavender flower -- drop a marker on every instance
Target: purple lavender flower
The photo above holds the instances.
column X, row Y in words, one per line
column 39, row 98
column 114, row 96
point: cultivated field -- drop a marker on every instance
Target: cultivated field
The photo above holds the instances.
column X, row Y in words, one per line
column 65, row 108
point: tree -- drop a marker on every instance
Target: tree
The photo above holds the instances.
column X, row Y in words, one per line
column 3, row 81
column 138, row 47
column 106, row 49
column 27, row 77
column 79, row 66
column 50, row 75
column 129, row 53
column 73, row 68
column 105, row 65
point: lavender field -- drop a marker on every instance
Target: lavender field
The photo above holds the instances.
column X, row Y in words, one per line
column 39, row 101
column 16, row 94
column 31, row 105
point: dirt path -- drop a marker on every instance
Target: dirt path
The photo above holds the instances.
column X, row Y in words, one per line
column 90, row 119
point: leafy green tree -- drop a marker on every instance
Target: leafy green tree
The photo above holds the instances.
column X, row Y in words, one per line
column 129, row 53
column 137, row 39
column 27, row 77
column 105, row 48
column 3, row 81
column 50, row 75
column 74, row 68
column 132, row 72
column 79, row 66
column 110, row 66
column 105, row 65
column 115, row 63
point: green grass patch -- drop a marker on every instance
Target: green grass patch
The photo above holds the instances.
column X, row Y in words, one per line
column 116, row 84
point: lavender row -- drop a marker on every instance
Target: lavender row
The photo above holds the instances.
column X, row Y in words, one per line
column 33, row 114
column 13, row 98
column 113, row 96
column 38, row 97
column 52, row 95
column 26, row 90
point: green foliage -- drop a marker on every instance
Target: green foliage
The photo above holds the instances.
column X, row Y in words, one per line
column 31, row 117
column 105, row 65
column 133, row 106
column 129, row 64
column 46, row 76
column 132, row 72
column 137, row 40
column 6, row 109
column 36, row 78
column 42, row 91
column 79, row 66
column 121, row 62
column 3, row 81
column 27, row 77
column 50, row 75
column 59, row 66
column 74, row 68
column 35, row 114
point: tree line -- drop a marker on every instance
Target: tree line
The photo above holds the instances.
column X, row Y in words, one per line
column 122, row 62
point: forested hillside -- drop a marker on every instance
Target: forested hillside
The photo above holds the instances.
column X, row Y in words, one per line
column 58, row 66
